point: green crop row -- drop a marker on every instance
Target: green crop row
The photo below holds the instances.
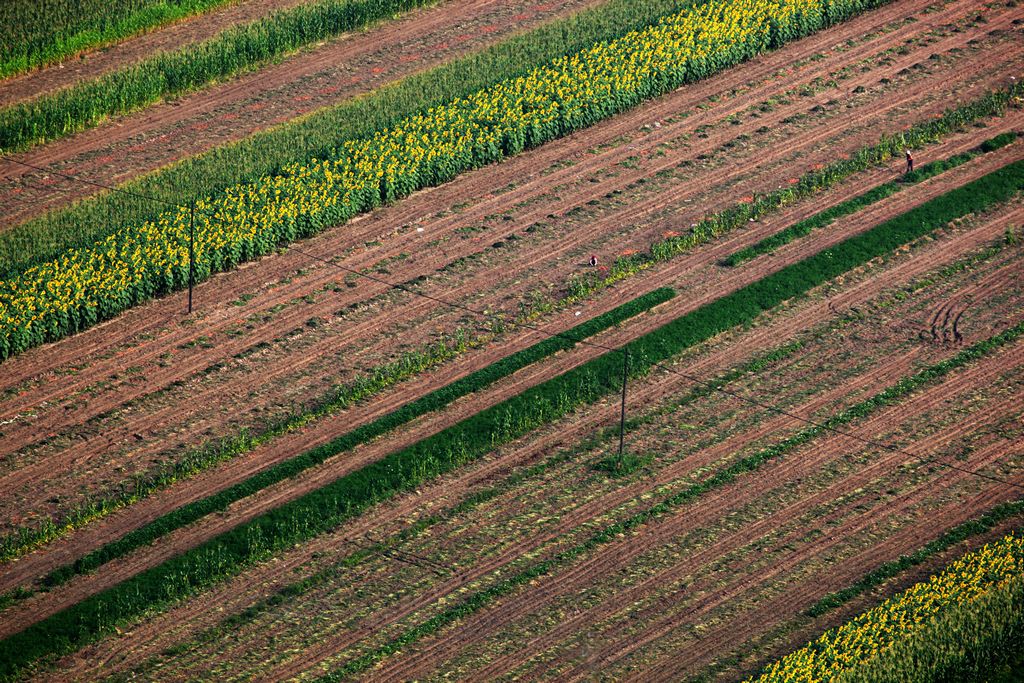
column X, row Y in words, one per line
column 321, row 510
column 37, row 33
column 201, row 458
column 431, row 402
column 689, row 494
column 167, row 74
column 812, row 182
column 322, row 133
column 861, row 201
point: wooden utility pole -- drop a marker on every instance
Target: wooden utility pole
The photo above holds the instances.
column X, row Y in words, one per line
column 191, row 252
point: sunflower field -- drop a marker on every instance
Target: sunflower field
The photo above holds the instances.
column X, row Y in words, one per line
column 86, row 285
column 942, row 627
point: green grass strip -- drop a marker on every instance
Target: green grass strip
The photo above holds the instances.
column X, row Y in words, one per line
column 474, row 499
column 322, row 510
column 166, row 74
column 876, row 577
column 35, row 34
column 861, row 201
column 721, row 478
column 431, row 402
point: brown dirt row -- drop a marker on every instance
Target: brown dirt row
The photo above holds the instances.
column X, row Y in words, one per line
column 574, row 518
column 96, row 62
column 339, row 465
column 849, row 521
column 236, row 587
column 766, row 648
column 803, row 595
column 699, row 598
column 420, row 661
column 90, row 447
column 481, row 185
column 353, row 64
column 568, row 517
column 36, row 426
column 731, row 597
column 578, row 515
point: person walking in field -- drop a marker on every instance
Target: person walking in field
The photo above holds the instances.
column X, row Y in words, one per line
column 593, row 260
column 910, row 162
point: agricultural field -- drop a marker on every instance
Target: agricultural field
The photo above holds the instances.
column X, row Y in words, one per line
column 385, row 442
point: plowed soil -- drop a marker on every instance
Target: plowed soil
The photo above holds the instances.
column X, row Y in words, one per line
column 454, row 548
column 83, row 415
column 142, row 380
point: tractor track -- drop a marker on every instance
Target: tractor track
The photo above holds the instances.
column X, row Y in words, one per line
column 423, row 660
column 236, row 587
column 98, row 407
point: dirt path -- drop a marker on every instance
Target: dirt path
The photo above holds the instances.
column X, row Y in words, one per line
column 973, row 238
column 356, row 63
column 203, row 359
column 938, row 255
column 419, row 662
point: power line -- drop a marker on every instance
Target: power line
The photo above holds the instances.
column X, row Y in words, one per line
column 925, row 460
column 95, row 184
column 692, row 378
